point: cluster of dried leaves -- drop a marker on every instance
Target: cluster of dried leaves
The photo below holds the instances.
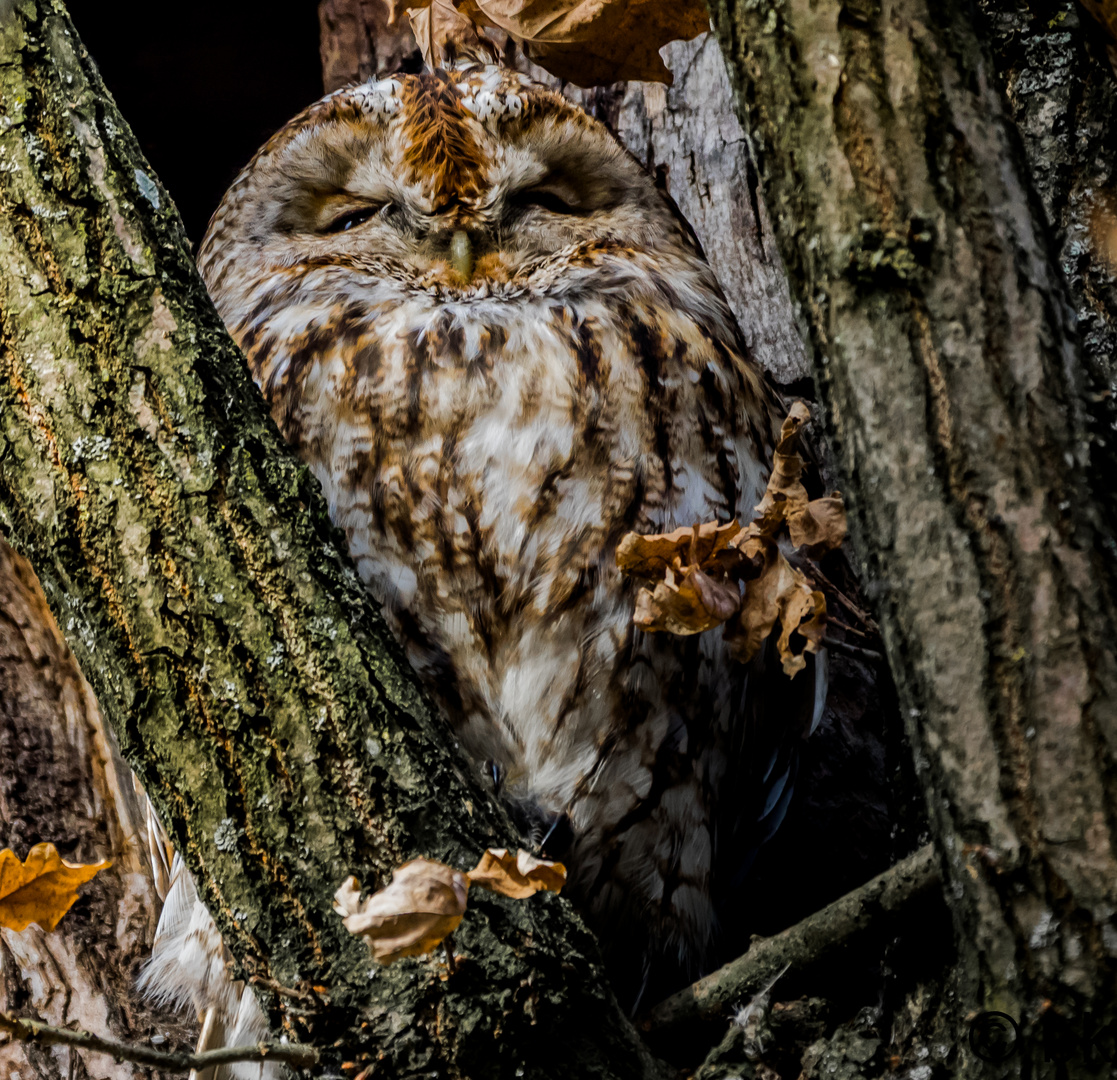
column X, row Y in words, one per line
column 425, row 900
column 697, row 571
column 42, row 888
column 587, row 42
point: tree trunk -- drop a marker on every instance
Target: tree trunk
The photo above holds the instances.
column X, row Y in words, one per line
column 62, row 781
column 945, row 355
column 941, row 339
column 189, row 558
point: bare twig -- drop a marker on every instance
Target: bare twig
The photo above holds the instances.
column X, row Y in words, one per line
column 833, row 620
column 859, row 613
column 857, row 652
column 32, row 1030
column 802, row 944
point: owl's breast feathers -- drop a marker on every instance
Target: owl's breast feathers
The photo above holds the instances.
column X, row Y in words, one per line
column 484, row 458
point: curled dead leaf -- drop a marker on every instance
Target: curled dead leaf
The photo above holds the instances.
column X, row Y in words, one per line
column 695, row 592
column 785, row 487
column 424, row 902
column 519, row 876
column 821, row 526
column 699, row 568
column 42, row 888
column 650, row 556
column 686, row 603
column 587, row 42
column 780, row 592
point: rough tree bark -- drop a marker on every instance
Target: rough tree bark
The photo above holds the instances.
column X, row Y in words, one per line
column 1061, row 87
column 191, row 564
column 945, row 353
column 62, row 781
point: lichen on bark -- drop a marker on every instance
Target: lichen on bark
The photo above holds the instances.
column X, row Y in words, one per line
column 254, row 688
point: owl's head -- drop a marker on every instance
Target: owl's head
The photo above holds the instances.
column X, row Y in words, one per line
column 474, row 181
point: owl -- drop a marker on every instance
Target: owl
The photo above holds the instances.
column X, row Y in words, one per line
column 499, row 348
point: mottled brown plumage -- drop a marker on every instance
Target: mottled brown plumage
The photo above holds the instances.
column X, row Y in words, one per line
column 499, row 348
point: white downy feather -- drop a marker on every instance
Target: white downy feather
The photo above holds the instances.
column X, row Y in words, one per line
column 187, row 967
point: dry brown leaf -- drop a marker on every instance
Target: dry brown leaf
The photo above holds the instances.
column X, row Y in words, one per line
column 588, row 42
column 780, row 592
column 686, row 603
column 42, row 888
column 821, row 526
column 651, row 556
column 760, row 608
column 785, row 496
column 423, row 904
column 804, row 612
column 700, row 567
column 442, row 31
column 518, row 876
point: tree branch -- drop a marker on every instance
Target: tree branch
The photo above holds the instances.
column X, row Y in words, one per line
column 301, row 1057
column 816, row 937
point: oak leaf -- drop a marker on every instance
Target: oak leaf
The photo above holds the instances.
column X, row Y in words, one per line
column 42, row 888
column 819, row 524
column 424, row 902
column 694, row 592
column 780, row 592
column 519, row 876
column 650, row 556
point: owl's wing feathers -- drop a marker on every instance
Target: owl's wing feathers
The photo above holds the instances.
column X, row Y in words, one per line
column 187, row 968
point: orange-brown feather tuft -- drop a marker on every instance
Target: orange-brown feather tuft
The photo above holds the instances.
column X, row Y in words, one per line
column 442, row 151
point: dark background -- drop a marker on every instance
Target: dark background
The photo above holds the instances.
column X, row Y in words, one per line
column 203, row 83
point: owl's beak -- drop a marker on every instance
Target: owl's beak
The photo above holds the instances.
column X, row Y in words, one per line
column 461, row 255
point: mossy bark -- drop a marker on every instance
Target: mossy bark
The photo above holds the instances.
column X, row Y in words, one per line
column 946, row 358
column 189, row 560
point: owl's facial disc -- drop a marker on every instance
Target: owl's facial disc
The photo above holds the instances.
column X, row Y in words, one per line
column 467, row 182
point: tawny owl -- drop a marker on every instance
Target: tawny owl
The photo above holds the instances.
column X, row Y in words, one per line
column 500, row 348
